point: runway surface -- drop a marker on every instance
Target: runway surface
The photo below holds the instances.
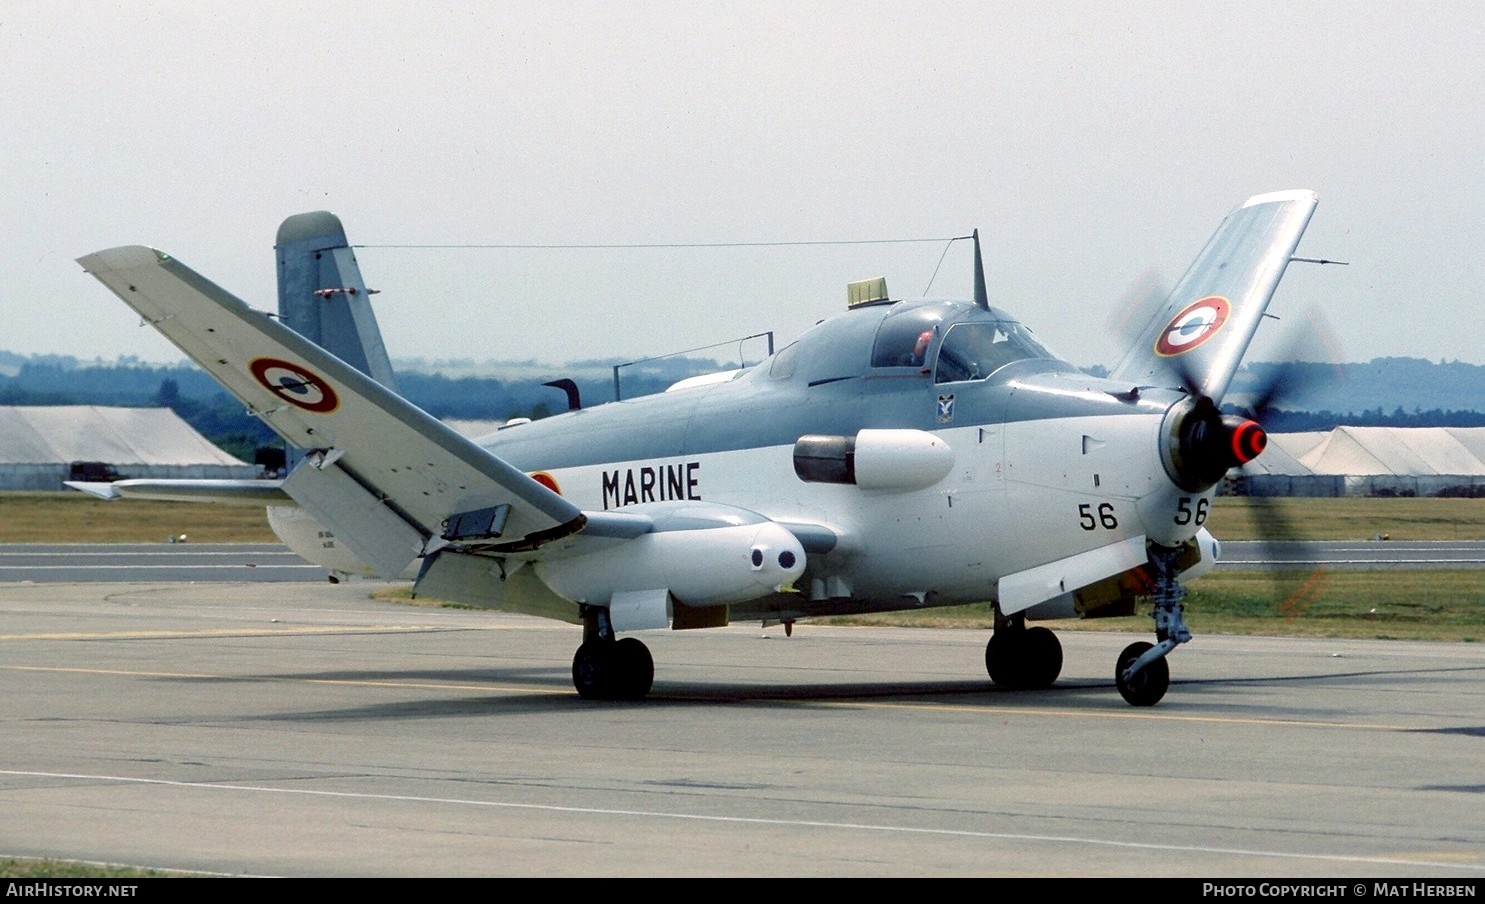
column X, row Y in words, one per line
column 1354, row 554
column 268, row 562
column 73, row 562
column 302, row 729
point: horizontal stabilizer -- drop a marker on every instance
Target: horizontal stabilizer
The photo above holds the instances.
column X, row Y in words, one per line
column 255, row 492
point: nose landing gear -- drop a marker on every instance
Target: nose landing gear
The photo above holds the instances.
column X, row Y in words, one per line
column 1142, row 673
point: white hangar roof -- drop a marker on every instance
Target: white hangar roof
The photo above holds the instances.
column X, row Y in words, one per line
column 1375, row 451
column 119, row 436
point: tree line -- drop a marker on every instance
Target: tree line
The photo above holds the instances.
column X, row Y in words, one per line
column 211, row 411
column 1385, row 392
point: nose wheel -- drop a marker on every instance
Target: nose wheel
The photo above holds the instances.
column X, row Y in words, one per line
column 1146, row 686
column 1142, row 673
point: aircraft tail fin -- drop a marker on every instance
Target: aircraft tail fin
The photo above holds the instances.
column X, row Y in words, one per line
column 1209, row 319
column 322, row 297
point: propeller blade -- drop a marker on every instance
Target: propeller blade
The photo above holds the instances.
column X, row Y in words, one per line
column 1293, row 587
column 1207, row 442
column 1294, row 374
column 1280, row 385
column 1140, row 304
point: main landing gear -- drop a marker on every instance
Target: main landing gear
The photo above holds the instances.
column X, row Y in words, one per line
column 1022, row 658
column 608, row 669
column 1142, row 674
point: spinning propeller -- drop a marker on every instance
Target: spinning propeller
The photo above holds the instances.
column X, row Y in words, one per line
column 1213, row 442
column 1201, row 444
column 1206, row 442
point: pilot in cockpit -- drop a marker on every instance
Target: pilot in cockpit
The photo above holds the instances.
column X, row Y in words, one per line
column 972, row 351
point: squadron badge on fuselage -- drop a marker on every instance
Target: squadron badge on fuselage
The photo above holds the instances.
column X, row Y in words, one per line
column 945, row 407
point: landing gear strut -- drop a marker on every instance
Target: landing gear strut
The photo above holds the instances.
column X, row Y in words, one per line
column 1142, row 674
column 1022, row 658
column 607, row 669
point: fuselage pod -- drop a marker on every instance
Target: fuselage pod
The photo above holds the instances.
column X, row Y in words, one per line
column 705, row 566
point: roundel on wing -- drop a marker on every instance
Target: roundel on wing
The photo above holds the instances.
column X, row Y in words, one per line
column 295, row 384
column 1193, row 326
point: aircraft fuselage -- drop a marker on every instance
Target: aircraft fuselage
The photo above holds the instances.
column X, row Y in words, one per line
column 1039, row 449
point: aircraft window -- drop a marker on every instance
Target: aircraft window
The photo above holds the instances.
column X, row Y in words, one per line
column 782, row 367
column 973, row 351
column 903, row 339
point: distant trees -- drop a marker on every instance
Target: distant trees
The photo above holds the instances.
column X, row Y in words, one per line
column 1304, row 421
column 1392, row 392
column 169, row 394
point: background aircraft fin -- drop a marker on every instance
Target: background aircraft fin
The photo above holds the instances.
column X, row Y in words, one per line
column 322, row 297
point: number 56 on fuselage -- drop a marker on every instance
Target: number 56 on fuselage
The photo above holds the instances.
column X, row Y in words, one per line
column 899, row 455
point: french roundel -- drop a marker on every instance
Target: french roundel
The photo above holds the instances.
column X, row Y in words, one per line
column 295, row 384
column 1197, row 322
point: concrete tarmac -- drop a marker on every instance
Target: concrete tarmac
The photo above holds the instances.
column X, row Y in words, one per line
column 269, row 562
column 66, row 563
column 303, row 729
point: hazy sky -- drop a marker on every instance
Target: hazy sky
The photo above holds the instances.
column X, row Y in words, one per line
column 1089, row 142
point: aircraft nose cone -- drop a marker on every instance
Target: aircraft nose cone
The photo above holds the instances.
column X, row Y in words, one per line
column 1207, row 443
column 1248, row 441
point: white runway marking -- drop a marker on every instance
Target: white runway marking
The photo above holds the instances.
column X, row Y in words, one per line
column 745, row 820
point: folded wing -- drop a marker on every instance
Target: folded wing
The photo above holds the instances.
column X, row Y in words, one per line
column 391, row 481
column 1201, row 333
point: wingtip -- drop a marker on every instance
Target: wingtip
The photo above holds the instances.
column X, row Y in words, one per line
column 94, row 488
column 123, row 257
column 1296, row 194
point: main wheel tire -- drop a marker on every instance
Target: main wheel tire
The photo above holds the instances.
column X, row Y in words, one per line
column 634, row 669
column 593, row 670
column 1041, row 657
column 1005, row 660
column 1149, row 685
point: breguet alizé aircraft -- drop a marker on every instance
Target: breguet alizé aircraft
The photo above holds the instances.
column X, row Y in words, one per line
column 899, row 455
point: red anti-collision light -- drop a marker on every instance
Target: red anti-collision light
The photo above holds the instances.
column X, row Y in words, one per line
column 1248, row 441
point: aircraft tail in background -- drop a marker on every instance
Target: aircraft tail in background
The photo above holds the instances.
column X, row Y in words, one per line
column 322, row 297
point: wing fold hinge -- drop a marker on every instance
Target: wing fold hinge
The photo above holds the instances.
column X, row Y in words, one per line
column 479, row 524
column 374, row 531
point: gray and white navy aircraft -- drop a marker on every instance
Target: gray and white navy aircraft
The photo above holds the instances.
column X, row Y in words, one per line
column 899, row 455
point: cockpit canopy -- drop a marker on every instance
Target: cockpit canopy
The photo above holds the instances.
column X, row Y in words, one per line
column 953, row 340
column 960, row 342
